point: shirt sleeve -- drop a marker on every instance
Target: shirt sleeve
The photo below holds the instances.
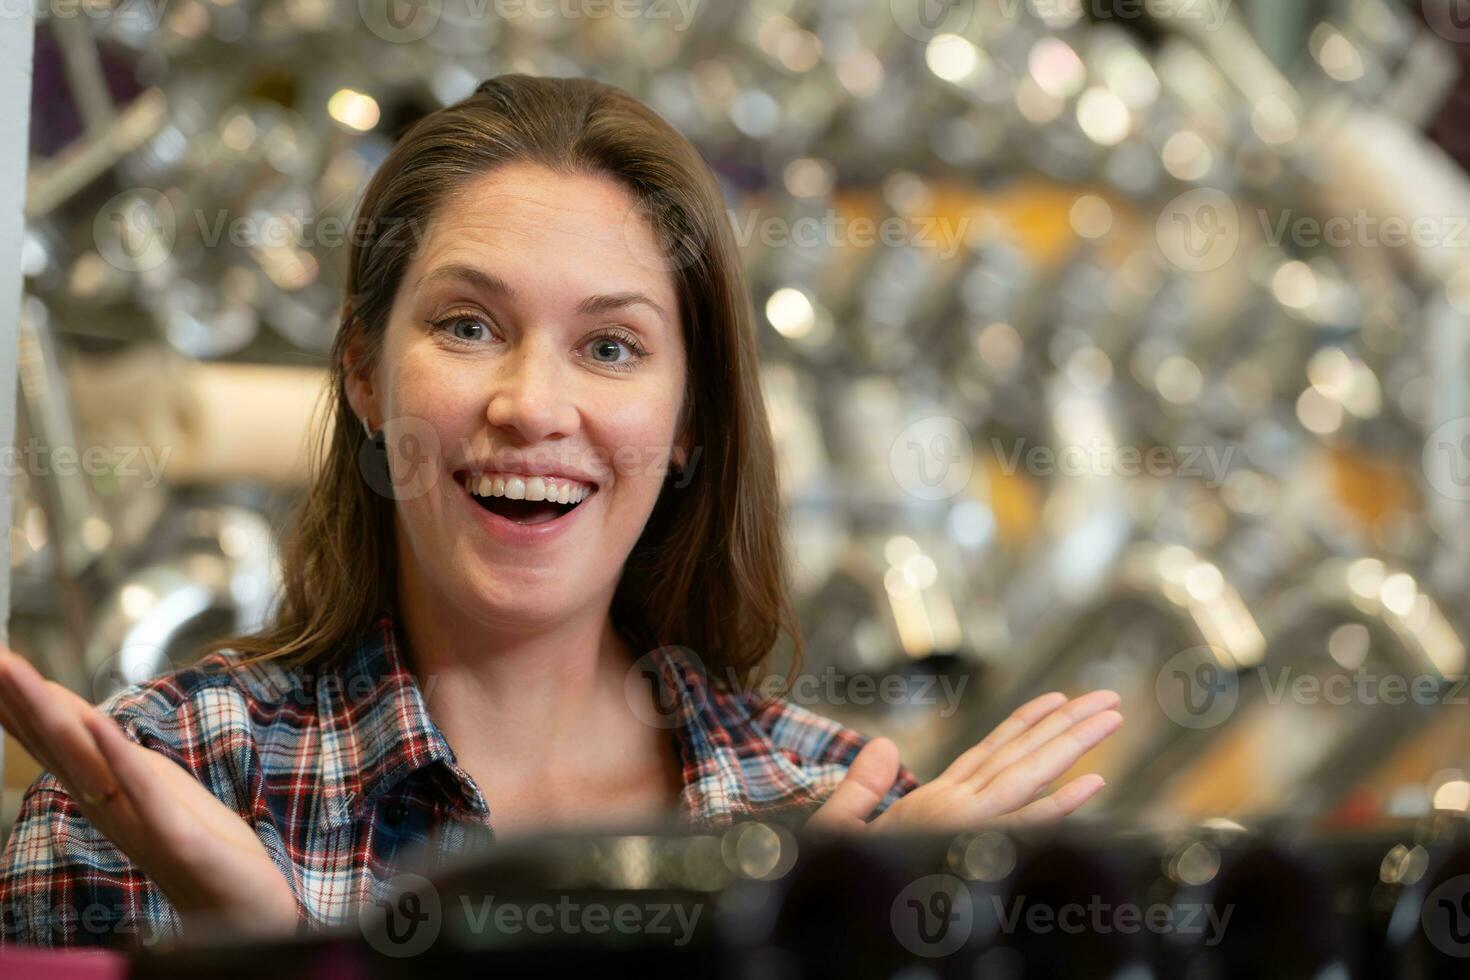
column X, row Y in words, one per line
column 64, row 884
column 824, row 748
column 905, row 783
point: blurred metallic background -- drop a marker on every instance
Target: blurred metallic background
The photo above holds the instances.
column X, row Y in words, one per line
column 1106, row 343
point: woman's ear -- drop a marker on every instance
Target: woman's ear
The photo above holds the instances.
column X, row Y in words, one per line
column 680, row 454
column 357, row 378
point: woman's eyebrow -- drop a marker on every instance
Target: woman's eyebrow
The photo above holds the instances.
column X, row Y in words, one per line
column 491, row 283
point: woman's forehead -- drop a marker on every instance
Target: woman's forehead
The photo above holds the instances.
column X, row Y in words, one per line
column 528, row 222
column 503, row 198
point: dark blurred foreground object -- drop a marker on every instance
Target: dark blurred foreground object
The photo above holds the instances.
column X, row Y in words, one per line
column 758, row 900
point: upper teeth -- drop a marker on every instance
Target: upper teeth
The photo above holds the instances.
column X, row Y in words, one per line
column 527, row 488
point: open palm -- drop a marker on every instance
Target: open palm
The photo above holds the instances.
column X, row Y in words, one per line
column 205, row 858
column 999, row 780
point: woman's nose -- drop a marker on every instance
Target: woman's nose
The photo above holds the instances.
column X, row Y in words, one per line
column 531, row 394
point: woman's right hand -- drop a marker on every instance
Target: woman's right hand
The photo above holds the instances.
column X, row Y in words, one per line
column 205, row 858
column 1001, row 780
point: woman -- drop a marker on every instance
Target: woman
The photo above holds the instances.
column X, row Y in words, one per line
column 533, row 574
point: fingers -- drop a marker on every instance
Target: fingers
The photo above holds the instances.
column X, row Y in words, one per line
column 55, row 725
column 869, row 777
column 1016, row 785
column 1044, row 731
column 16, row 721
column 968, row 763
column 1057, row 805
column 135, row 778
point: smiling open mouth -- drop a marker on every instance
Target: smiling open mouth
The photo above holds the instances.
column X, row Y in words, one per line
column 524, row 511
column 508, row 499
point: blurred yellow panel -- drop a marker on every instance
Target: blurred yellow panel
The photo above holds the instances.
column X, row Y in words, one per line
column 1369, row 487
column 1014, row 499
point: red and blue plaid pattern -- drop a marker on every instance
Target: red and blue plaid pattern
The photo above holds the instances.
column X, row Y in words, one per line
column 347, row 781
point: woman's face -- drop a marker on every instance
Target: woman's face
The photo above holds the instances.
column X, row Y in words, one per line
column 531, row 336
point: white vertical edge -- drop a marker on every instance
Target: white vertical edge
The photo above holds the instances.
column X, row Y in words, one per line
column 17, row 36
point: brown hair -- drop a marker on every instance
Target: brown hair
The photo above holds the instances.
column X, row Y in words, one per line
column 709, row 571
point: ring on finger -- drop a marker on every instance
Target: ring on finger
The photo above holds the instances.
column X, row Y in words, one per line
column 92, row 799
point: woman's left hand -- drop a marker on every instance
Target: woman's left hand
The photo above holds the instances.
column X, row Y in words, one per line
column 998, row 781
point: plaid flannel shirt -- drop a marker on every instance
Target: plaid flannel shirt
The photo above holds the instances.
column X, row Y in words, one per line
column 343, row 775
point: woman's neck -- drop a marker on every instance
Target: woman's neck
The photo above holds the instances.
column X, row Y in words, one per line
column 520, row 696
column 541, row 720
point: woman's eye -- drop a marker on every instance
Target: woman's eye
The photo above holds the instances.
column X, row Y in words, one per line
column 465, row 328
column 605, row 351
column 607, row 346
column 471, row 328
column 462, row 327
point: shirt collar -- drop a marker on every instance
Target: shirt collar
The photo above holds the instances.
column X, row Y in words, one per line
column 732, row 767
column 376, row 730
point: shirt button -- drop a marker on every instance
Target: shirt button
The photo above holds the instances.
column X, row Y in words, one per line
column 396, row 813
